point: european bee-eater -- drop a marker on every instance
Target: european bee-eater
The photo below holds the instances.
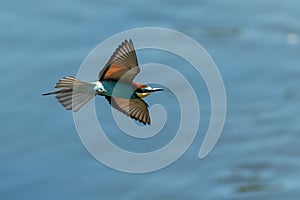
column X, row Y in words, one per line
column 115, row 82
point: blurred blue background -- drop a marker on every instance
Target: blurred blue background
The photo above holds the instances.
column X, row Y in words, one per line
column 256, row 47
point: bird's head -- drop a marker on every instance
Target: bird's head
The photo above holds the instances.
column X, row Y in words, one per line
column 145, row 90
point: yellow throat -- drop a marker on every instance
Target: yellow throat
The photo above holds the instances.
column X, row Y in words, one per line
column 142, row 95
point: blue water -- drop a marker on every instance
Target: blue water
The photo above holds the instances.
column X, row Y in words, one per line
column 256, row 47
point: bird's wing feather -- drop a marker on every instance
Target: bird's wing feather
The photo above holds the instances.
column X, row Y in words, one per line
column 122, row 64
column 135, row 108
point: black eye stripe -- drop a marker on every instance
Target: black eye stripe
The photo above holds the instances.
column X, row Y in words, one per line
column 139, row 90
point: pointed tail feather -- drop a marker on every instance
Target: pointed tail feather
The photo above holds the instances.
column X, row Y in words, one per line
column 74, row 93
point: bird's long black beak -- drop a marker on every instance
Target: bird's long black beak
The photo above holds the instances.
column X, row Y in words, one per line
column 157, row 89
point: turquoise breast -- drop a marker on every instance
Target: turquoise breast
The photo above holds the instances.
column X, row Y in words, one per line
column 119, row 89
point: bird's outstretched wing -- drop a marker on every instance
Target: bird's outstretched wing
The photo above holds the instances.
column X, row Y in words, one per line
column 135, row 108
column 122, row 65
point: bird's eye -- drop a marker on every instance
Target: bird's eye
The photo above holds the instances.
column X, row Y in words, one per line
column 140, row 90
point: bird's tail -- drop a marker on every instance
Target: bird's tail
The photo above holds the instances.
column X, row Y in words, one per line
column 73, row 93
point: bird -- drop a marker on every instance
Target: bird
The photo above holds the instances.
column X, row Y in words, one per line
column 115, row 83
